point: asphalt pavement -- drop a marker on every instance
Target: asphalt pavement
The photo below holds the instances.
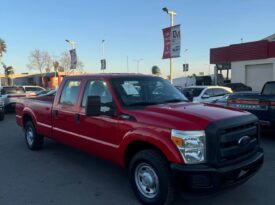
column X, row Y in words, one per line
column 60, row 175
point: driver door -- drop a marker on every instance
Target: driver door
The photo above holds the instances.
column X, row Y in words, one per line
column 99, row 132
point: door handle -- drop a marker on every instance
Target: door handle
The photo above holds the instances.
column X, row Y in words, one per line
column 77, row 118
column 55, row 113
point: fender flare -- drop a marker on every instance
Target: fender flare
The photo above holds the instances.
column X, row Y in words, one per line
column 159, row 139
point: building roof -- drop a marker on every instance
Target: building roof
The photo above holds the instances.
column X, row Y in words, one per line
column 244, row 51
column 270, row 38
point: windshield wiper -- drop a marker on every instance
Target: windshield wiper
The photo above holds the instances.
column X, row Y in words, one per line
column 143, row 104
column 174, row 101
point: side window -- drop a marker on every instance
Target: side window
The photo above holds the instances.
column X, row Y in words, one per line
column 99, row 88
column 219, row 92
column 269, row 89
column 209, row 92
column 70, row 92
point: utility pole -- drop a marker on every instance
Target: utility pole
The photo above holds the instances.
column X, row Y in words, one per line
column 171, row 14
column 127, row 63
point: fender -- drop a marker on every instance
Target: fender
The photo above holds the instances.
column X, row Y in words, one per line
column 28, row 111
column 158, row 137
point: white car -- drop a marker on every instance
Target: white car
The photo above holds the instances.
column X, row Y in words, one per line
column 33, row 89
column 206, row 93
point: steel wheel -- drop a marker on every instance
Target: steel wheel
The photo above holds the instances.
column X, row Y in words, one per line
column 147, row 180
column 30, row 136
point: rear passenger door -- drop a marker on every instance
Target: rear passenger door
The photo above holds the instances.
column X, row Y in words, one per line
column 65, row 112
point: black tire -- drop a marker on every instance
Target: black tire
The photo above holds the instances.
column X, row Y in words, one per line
column 155, row 163
column 34, row 142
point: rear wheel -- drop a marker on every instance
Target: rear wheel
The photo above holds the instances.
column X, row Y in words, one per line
column 151, row 179
column 33, row 140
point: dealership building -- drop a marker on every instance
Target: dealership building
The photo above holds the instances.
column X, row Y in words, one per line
column 251, row 63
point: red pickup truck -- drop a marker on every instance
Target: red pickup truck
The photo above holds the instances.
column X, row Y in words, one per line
column 146, row 125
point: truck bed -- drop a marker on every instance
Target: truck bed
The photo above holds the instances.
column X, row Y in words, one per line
column 41, row 107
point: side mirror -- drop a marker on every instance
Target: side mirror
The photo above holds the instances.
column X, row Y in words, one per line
column 205, row 96
column 93, row 106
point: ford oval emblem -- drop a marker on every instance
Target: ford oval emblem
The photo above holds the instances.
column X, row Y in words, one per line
column 243, row 141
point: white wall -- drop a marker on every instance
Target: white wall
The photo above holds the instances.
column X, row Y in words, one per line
column 239, row 67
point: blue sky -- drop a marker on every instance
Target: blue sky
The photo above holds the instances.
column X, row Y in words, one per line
column 130, row 28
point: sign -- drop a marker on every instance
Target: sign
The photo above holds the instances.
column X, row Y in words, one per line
column 171, row 37
column 103, row 64
column 73, row 59
column 185, row 67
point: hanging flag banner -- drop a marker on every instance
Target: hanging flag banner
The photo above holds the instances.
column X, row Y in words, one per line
column 171, row 37
column 73, row 59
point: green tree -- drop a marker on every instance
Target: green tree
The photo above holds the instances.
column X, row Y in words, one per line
column 8, row 70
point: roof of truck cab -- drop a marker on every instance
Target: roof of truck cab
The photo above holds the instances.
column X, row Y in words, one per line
column 109, row 75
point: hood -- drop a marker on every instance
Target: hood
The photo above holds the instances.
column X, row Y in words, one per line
column 184, row 116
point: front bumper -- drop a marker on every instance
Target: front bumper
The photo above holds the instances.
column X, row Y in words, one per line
column 208, row 178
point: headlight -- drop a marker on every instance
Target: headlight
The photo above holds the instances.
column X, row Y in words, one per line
column 1, row 103
column 191, row 145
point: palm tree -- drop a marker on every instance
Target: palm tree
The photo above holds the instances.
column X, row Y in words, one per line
column 3, row 47
column 9, row 71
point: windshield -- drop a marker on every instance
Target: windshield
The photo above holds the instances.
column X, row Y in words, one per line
column 135, row 91
column 192, row 92
column 12, row 90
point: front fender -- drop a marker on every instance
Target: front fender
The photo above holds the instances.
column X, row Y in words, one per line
column 157, row 137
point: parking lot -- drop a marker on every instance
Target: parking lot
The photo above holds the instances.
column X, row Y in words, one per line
column 61, row 175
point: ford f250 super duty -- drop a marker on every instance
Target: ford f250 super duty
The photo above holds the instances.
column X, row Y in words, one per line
column 146, row 125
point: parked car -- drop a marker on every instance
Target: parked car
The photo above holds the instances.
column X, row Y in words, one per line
column 145, row 124
column 221, row 101
column 2, row 109
column 261, row 104
column 205, row 93
column 238, row 87
column 31, row 89
column 10, row 95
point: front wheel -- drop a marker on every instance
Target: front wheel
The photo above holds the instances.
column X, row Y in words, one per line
column 33, row 140
column 151, row 179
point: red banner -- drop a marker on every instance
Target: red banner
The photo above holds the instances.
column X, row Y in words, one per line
column 171, row 36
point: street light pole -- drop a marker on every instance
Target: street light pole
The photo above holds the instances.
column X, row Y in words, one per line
column 171, row 14
column 72, row 43
column 138, row 61
column 103, row 48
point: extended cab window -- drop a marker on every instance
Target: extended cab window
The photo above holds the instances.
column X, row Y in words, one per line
column 70, row 92
column 99, row 88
